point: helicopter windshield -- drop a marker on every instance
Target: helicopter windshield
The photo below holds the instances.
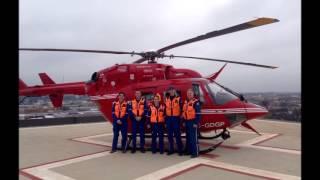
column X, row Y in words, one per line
column 219, row 94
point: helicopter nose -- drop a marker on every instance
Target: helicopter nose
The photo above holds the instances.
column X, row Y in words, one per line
column 255, row 111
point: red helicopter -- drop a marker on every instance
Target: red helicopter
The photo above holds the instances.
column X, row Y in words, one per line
column 222, row 108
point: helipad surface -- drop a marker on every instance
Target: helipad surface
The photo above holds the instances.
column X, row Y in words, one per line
column 82, row 152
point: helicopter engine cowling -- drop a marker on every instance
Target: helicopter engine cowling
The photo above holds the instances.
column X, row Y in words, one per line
column 173, row 73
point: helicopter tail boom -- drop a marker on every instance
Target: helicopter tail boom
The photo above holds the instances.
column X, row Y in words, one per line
column 51, row 89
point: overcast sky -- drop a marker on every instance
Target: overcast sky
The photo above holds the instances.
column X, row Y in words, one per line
column 142, row 25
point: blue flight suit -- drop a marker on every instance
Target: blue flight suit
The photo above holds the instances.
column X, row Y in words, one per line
column 173, row 128
column 192, row 144
column 116, row 128
column 138, row 126
column 157, row 131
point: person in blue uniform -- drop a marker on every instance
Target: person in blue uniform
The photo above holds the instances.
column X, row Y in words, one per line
column 173, row 112
column 156, row 117
column 137, row 113
column 119, row 116
column 191, row 117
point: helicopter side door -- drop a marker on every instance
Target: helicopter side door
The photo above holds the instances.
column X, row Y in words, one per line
column 199, row 93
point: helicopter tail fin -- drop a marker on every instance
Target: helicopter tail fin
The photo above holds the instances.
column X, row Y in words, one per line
column 214, row 76
column 22, row 85
column 56, row 98
column 46, row 79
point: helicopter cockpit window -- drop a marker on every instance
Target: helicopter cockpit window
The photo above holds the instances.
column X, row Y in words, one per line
column 198, row 93
column 220, row 95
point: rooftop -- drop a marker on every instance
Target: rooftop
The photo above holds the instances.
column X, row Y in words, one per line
column 81, row 151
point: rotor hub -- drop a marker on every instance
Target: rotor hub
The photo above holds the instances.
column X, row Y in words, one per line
column 151, row 56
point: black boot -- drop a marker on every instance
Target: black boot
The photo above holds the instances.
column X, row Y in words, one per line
column 133, row 150
column 194, row 156
column 169, row 153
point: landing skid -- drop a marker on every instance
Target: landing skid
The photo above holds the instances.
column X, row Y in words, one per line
column 211, row 148
column 225, row 134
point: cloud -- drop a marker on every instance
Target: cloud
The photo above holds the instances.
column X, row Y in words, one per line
column 143, row 25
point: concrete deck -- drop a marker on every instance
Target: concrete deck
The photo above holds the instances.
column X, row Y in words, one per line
column 82, row 152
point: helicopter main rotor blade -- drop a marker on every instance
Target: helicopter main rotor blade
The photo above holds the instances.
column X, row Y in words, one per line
column 81, row 50
column 232, row 29
column 221, row 60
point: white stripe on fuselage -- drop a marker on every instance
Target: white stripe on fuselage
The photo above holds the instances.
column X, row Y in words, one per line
column 233, row 110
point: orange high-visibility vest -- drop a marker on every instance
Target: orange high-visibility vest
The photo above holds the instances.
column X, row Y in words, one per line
column 173, row 107
column 157, row 114
column 188, row 110
column 137, row 107
column 120, row 109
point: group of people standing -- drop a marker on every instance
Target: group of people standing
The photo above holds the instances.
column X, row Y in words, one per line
column 160, row 116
